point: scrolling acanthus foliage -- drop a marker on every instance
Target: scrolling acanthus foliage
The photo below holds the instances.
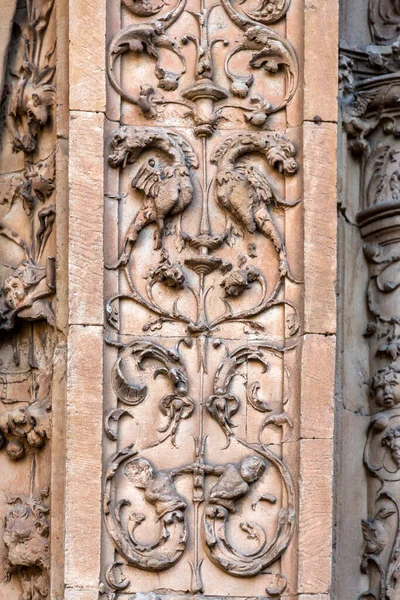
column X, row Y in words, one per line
column 165, row 179
column 204, row 100
column 234, row 480
column 195, row 286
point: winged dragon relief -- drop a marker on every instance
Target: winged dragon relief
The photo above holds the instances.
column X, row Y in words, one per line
column 167, row 186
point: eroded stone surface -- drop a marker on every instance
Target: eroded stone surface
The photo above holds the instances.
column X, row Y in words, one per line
column 28, row 281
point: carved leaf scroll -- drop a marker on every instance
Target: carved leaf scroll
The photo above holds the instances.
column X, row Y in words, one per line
column 270, row 53
column 169, row 506
column 202, row 200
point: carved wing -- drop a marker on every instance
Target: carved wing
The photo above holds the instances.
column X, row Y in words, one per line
column 260, row 189
column 147, row 179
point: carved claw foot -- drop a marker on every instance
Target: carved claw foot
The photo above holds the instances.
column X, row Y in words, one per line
column 284, row 271
column 121, row 262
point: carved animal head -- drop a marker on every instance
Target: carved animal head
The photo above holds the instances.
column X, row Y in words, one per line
column 26, row 533
column 119, row 156
column 30, row 109
column 280, row 153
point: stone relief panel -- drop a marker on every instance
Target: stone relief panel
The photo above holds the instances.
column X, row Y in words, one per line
column 27, row 291
column 370, row 118
column 203, row 302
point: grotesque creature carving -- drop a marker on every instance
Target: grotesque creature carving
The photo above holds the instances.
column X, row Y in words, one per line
column 165, row 183
column 391, row 439
column 23, row 293
column 245, row 192
column 33, row 97
column 26, row 537
column 30, row 424
column 239, row 280
column 187, row 293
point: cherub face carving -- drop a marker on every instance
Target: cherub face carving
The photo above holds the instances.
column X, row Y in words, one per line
column 139, row 472
column 386, row 387
column 14, row 291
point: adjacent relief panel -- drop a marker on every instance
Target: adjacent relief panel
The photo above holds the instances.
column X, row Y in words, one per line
column 203, row 308
column 369, row 475
column 27, row 291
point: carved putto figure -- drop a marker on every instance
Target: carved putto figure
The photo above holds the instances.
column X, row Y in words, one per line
column 234, row 482
column 386, row 386
column 218, row 266
column 158, row 486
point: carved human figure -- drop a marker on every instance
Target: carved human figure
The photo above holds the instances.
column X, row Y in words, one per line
column 234, row 481
column 385, row 386
column 24, row 289
column 391, row 439
column 159, row 488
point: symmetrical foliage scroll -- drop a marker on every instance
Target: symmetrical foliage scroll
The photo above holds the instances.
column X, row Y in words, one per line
column 27, row 288
column 202, row 268
column 205, row 101
column 369, row 82
column 163, row 166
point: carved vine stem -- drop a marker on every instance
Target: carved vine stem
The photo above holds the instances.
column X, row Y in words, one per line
column 182, row 208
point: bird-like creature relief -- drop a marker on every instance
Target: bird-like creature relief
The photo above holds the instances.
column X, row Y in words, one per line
column 245, row 192
column 164, row 182
column 375, row 533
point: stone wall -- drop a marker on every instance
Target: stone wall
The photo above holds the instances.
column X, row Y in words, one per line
column 168, row 288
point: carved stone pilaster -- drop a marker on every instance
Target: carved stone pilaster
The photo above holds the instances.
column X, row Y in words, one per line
column 370, row 84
